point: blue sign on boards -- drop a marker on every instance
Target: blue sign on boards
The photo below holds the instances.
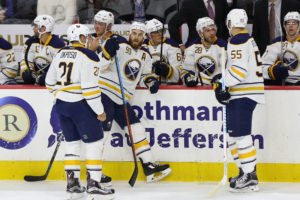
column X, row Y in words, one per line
column 18, row 123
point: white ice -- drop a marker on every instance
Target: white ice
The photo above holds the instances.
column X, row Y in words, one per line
column 55, row 190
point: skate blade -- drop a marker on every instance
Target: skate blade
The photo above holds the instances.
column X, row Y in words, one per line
column 152, row 178
column 100, row 197
column 251, row 188
column 76, row 196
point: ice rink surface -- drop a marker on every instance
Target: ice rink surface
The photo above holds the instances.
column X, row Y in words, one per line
column 55, row 190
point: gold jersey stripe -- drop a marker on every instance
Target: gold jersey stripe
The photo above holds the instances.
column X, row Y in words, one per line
column 114, row 88
column 91, row 93
column 241, row 74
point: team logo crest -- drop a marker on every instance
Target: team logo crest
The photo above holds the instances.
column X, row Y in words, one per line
column 41, row 64
column 207, row 65
column 18, row 123
column 290, row 59
column 132, row 69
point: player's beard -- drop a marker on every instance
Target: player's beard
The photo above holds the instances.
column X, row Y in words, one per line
column 135, row 45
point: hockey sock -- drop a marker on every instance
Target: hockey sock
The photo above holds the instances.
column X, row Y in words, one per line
column 247, row 153
column 72, row 157
column 141, row 144
column 234, row 151
column 94, row 159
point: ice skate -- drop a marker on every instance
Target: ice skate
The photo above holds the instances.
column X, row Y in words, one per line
column 105, row 180
column 233, row 179
column 75, row 190
column 98, row 192
column 248, row 182
column 155, row 172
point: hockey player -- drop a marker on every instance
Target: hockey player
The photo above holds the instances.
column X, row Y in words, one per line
column 281, row 58
column 244, row 90
column 8, row 64
column 39, row 51
column 135, row 66
column 170, row 68
column 73, row 79
column 203, row 56
column 103, row 22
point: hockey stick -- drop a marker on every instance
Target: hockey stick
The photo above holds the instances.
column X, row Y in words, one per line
column 26, row 58
column 221, row 184
column 136, row 169
column 281, row 43
column 44, row 177
column 166, row 13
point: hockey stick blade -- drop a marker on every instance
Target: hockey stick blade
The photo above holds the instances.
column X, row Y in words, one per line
column 35, row 178
column 217, row 188
column 134, row 176
column 44, row 177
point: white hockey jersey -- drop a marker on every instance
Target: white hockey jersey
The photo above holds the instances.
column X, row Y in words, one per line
column 171, row 55
column 243, row 73
column 203, row 62
column 8, row 64
column 288, row 52
column 135, row 67
column 39, row 56
column 73, row 76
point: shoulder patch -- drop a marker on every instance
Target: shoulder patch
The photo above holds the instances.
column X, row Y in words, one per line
column 120, row 39
column 240, row 38
column 171, row 42
column 196, row 41
column 31, row 40
column 5, row 45
column 221, row 43
column 278, row 39
column 89, row 53
column 56, row 42
column 144, row 49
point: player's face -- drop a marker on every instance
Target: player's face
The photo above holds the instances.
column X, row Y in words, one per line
column 209, row 33
column 156, row 37
column 35, row 29
column 83, row 39
column 136, row 38
column 291, row 27
column 99, row 27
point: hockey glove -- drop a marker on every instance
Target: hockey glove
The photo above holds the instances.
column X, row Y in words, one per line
column 153, row 84
column 216, row 79
column 278, row 71
column 27, row 77
column 40, row 79
column 221, row 96
column 110, row 48
column 161, row 68
column 190, row 79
